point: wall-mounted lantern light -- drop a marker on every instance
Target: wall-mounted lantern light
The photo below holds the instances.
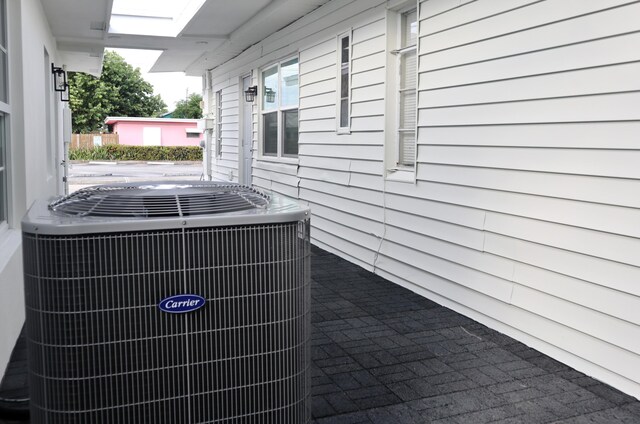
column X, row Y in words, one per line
column 59, row 78
column 250, row 94
column 270, row 95
column 64, row 95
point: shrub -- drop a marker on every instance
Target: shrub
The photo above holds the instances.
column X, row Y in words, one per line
column 143, row 153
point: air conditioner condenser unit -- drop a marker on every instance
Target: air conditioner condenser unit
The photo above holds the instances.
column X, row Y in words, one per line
column 168, row 303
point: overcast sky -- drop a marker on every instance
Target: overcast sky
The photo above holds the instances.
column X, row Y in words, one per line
column 172, row 86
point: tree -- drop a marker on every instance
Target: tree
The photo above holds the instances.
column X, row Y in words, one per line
column 189, row 108
column 120, row 91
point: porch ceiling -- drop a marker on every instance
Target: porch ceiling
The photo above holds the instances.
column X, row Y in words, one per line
column 217, row 31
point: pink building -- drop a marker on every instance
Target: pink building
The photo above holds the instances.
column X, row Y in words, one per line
column 155, row 131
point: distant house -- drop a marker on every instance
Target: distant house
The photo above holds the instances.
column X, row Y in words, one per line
column 155, row 131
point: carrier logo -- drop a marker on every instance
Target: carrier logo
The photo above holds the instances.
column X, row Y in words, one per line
column 181, row 303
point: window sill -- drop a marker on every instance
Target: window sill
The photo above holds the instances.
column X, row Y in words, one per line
column 401, row 175
column 276, row 159
column 343, row 131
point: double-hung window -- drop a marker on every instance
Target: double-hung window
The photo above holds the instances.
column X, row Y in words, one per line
column 4, row 113
column 406, row 89
column 280, row 93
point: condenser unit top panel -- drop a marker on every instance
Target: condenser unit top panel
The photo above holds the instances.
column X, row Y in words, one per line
column 159, row 205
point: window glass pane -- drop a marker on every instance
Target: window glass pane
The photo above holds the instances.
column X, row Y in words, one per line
column 3, row 172
column 289, row 81
column 270, row 88
column 270, row 133
column 290, row 136
column 408, row 71
column 3, row 76
column 3, row 24
column 344, row 82
column 407, row 146
column 345, row 50
column 408, row 109
column 344, row 113
column 409, row 28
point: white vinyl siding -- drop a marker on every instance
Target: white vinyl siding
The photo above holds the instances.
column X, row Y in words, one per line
column 524, row 212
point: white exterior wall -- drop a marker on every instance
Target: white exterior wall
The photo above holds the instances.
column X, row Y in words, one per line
column 32, row 173
column 524, row 211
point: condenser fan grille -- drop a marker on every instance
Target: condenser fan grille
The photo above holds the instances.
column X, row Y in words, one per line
column 160, row 200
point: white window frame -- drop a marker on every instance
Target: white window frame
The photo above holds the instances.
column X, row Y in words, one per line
column 218, row 122
column 5, row 111
column 393, row 171
column 399, row 53
column 279, row 156
column 340, row 65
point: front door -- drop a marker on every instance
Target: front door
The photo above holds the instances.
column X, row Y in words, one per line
column 247, row 135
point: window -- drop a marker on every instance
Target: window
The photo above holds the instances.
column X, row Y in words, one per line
column 406, row 89
column 280, row 93
column 344, row 55
column 219, row 123
column 4, row 110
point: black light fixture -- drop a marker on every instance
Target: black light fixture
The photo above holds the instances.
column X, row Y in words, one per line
column 59, row 78
column 64, row 95
column 270, row 95
column 250, row 94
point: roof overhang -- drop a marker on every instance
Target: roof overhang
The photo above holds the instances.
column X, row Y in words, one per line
column 202, row 35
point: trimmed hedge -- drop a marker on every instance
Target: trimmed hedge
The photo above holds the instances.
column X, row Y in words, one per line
column 143, row 153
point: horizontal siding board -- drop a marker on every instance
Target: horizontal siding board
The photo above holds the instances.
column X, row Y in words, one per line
column 365, row 210
column 612, row 219
column 603, row 80
column 350, row 251
column 606, row 24
column 613, row 275
column 274, row 186
column 396, row 246
column 347, row 151
column 322, row 112
column 326, row 99
column 318, row 50
column 596, row 162
column 346, row 165
column 602, row 245
column 373, row 108
column 596, row 53
column 444, row 236
column 533, row 14
column 611, row 107
column 322, row 74
column 357, row 223
column 321, row 62
column 368, row 31
column 367, row 123
column 470, row 12
column 374, row 61
column 611, row 191
column 366, row 94
column 354, row 139
column 587, row 135
column 431, row 8
column 417, row 204
column 360, row 238
column 368, row 47
column 601, row 326
column 318, row 125
column 610, row 301
column 368, row 78
column 340, row 192
column 319, row 87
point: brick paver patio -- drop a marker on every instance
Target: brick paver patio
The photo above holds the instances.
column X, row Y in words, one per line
column 382, row 354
